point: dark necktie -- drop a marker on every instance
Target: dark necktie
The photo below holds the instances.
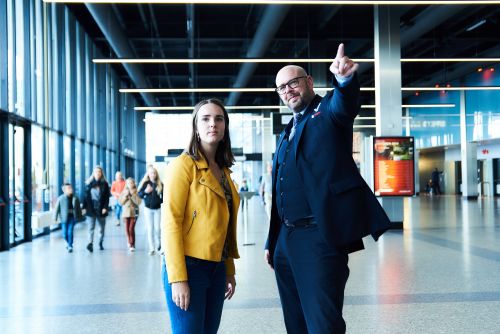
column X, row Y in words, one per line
column 296, row 120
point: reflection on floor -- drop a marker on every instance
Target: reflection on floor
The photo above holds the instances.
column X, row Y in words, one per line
column 440, row 275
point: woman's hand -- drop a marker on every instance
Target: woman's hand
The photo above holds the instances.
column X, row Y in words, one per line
column 230, row 286
column 181, row 294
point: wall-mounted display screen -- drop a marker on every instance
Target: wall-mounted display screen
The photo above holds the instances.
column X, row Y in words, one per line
column 393, row 166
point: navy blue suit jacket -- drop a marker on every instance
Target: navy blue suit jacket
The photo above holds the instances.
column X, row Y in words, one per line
column 343, row 205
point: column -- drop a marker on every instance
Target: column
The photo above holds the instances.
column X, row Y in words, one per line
column 3, row 56
column 468, row 152
column 388, row 89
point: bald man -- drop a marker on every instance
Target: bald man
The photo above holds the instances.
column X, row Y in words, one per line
column 321, row 206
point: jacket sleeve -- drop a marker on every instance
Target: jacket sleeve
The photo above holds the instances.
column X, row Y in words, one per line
column 57, row 212
column 84, row 200
column 230, row 270
column 176, row 194
column 141, row 192
column 136, row 199
column 343, row 102
column 161, row 194
column 123, row 198
column 113, row 188
column 78, row 210
column 107, row 196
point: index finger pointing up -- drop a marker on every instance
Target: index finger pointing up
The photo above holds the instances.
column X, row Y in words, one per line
column 340, row 51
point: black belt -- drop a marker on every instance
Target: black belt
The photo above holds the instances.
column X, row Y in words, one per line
column 304, row 222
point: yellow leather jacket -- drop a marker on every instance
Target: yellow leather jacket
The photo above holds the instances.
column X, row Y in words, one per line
column 195, row 217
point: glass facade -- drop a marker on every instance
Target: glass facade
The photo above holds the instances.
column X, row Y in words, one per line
column 441, row 126
column 52, row 92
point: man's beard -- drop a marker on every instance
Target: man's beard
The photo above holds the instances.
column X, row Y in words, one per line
column 299, row 106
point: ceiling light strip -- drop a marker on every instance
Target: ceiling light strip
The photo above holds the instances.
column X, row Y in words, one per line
column 220, row 61
column 195, row 90
column 444, row 105
column 288, row 2
column 449, row 60
column 412, row 89
column 363, row 106
column 271, row 90
column 280, row 60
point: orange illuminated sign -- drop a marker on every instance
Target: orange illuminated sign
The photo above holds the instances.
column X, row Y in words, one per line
column 393, row 162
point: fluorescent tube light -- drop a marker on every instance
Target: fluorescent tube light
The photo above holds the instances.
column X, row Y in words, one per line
column 364, row 106
column 278, row 60
column 477, row 25
column 289, row 2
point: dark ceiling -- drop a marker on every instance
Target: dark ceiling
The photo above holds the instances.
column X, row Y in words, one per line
column 258, row 31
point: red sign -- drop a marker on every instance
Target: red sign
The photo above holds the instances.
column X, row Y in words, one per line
column 393, row 162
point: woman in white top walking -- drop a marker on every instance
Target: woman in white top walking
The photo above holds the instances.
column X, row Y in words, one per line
column 151, row 190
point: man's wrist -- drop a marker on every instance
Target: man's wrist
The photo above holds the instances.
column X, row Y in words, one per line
column 343, row 81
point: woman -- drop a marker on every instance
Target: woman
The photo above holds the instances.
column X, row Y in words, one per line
column 151, row 190
column 130, row 201
column 199, row 224
column 96, row 204
column 116, row 189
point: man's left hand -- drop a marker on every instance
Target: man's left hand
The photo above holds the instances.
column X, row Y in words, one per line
column 342, row 65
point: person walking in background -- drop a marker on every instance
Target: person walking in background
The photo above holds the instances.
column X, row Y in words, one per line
column 199, row 224
column 96, row 204
column 244, row 185
column 321, row 206
column 68, row 212
column 435, row 178
column 266, row 189
column 244, row 198
column 151, row 190
column 130, row 201
column 116, row 189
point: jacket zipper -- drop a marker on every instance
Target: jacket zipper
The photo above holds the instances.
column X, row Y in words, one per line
column 192, row 221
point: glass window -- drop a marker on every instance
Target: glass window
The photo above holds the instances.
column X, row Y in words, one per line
column 16, row 183
column 54, row 186
column 20, row 25
column 37, row 179
column 96, row 159
column 78, row 168
column 3, row 55
column 37, row 182
column 87, row 162
column 67, row 158
column 10, row 54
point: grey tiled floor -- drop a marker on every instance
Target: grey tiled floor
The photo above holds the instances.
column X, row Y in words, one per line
column 440, row 275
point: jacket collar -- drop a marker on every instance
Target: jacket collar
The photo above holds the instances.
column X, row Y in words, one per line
column 202, row 163
column 307, row 113
column 209, row 180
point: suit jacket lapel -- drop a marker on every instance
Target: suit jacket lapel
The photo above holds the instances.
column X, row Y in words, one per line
column 300, row 127
column 278, row 146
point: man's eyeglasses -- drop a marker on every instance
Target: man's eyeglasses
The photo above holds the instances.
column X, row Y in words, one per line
column 294, row 83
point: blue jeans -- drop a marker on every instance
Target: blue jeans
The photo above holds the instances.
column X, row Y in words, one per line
column 67, row 231
column 118, row 211
column 207, row 284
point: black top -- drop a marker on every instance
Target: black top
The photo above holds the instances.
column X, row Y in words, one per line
column 96, row 198
column 152, row 200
